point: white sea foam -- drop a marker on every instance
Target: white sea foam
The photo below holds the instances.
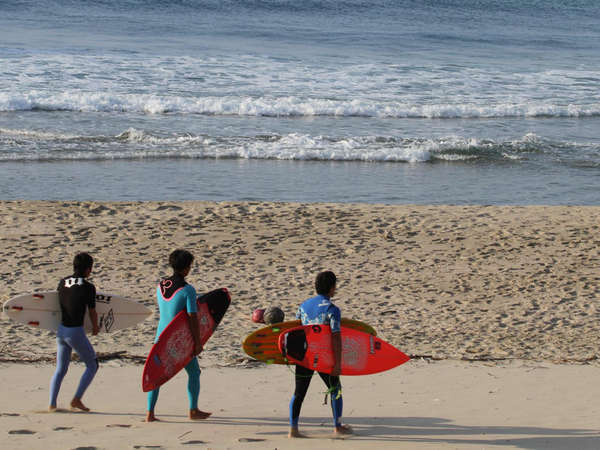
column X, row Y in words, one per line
column 138, row 144
column 282, row 106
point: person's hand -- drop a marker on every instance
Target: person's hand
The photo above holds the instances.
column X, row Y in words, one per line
column 198, row 348
column 95, row 330
column 336, row 371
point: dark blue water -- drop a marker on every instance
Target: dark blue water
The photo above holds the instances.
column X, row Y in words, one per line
column 383, row 101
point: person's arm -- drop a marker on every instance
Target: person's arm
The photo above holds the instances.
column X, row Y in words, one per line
column 193, row 320
column 192, row 311
column 92, row 311
column 94, row 319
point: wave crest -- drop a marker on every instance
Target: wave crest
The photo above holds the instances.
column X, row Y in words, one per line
column 284, row 107
column 31, row 145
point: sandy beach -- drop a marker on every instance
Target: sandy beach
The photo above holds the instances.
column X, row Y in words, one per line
column 512, row 288
column 421, row 405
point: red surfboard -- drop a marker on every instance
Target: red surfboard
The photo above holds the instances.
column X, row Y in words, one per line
column 362, row 353
column 175, row 346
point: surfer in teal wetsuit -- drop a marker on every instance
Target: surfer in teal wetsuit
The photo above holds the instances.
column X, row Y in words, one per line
column 320, row 310
column 174, row 294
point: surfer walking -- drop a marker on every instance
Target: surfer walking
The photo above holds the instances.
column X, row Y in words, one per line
column 75, row 294
column 174, row 294
column 319, row 310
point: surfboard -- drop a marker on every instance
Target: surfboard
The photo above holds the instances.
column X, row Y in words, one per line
column 362, row 353
column 42, row 310
column 175, row 346
column 263, row 344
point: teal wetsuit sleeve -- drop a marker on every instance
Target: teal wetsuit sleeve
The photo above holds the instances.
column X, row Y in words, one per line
column 190, row 302
column 335, row 319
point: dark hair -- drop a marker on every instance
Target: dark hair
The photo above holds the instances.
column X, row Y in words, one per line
column 180, row 260
column 325, row 282
column 82, row 262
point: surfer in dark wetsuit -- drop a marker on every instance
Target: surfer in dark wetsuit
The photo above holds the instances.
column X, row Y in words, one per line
column 174, row 294
column 320, row 311
column 75, row 295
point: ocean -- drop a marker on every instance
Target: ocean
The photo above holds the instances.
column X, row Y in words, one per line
column 379, row 101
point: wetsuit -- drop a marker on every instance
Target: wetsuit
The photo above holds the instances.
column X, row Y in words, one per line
column 174, row 295
column 320, row 311
column 75, row 294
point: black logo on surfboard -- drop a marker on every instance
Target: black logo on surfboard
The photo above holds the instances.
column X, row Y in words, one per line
column 107, row 320
column 103, row 298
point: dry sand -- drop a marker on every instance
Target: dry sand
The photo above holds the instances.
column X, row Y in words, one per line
column 449, row 282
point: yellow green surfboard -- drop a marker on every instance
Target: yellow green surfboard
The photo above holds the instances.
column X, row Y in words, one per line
column 262, row 344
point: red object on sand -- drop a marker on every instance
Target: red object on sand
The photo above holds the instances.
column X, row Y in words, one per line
column 175, row 346
column 258, row 316
column 362, row 353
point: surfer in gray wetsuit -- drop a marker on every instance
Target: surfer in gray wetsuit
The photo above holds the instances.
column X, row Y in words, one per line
column 75, row 295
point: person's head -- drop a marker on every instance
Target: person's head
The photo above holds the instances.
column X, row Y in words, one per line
column 325, row 283
column 181, row 261
column 82, row 264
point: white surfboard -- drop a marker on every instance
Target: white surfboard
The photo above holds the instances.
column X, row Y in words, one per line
column 42, row 310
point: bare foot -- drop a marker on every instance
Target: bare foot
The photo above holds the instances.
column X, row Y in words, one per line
column 150, row 417
column 77, row 404
column 51, row 408
column 294, row 433
column 196, row 414
column 343, row 430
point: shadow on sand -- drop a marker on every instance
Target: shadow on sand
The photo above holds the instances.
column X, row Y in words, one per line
column 435, row 430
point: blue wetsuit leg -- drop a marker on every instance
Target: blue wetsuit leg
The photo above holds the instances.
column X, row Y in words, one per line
column 63, row 358
column 80, row 343
column 193, row 372
column 68, row 339
column 337, row 403
column 152, row 399
column 302, row 378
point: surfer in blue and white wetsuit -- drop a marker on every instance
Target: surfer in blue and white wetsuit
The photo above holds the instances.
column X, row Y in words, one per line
column 320, row 310
column 75, row 294
column 174, row 294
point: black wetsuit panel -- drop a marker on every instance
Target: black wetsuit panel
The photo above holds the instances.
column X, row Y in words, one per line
column 74, row 295
column 168, row 286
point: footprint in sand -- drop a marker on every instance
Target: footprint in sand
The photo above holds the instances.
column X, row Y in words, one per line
column 62, row 428
column 118, row 425
column 193, row 442
column 86, row 448
column 251, row 440
column 21, row 432
column 10, row 414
